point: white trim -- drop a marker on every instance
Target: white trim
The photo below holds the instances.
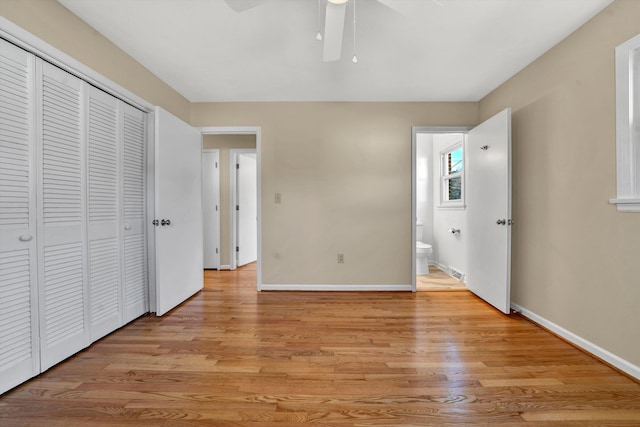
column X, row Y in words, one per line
column 29, row 42
column 225, row 267
column 349, row 288
column 588, row 346
column 246, row 130
column 627, row 62
column 626, row 205
column 415, row 130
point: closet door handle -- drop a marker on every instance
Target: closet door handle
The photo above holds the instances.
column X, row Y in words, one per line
column 165, row 222
column 127, row 227
column 25, row 238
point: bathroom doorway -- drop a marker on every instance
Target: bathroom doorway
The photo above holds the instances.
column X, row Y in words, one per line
column 471, row 172
column 438, row 208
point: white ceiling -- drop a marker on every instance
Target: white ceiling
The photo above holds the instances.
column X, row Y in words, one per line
column 422, row 50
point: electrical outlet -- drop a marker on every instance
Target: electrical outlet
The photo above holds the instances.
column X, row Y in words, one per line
column 278, row 198
column 340, row 258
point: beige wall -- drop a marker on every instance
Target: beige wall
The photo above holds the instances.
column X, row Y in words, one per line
column 576, row 260
column 52, row 22
column 224, row 143
column 344, row 172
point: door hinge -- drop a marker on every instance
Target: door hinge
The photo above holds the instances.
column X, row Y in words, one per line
column 237, row 207
column 237, row 248
column 237, row 165
column 216, row 208
column 216, row 250
column 216, row 165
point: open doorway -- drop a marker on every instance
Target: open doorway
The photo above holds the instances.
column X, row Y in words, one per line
column 231, row 142
column 439, row 208
column 482, row 190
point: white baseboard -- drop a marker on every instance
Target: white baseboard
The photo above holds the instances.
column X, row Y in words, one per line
column 364, row 287
column 588, row 346
column 225, row 267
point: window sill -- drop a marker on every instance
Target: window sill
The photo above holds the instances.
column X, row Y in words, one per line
column 457, row 207
column 626, row 205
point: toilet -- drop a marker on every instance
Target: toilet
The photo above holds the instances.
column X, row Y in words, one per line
column 422, row 252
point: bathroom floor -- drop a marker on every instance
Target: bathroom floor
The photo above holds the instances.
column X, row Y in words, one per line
column 438, row 280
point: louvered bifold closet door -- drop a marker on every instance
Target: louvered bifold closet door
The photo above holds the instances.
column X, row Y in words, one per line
column 62, row 218
column 19, row 353
column 103, row 166
column 136, row 299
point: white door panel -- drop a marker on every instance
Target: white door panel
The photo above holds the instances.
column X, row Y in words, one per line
column 19, row 346
column 211, row 210
column 134, row 248
column 178, row 200
column 63, row 296
column 247, row 209
column 488, row 198
column 104, row 201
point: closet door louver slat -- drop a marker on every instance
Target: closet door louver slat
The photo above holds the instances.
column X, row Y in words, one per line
column 19, row 352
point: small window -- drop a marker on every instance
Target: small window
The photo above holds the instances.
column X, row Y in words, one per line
column 628, row 125
column 452, row 176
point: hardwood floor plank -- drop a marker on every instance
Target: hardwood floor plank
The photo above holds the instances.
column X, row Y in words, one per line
column 231, row 356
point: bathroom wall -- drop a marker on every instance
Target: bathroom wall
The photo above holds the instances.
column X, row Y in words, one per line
column 424, row 188
column 451, row 247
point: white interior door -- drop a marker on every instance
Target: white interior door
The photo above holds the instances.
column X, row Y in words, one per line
column 104, row 206
column 19, row 345
column 247, row 209
column 62, row 225
column 211, row 207
column 488, row 198
column 178, row 210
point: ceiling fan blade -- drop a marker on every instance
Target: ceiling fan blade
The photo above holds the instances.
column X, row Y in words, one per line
column 242, row 5
column 333, row 30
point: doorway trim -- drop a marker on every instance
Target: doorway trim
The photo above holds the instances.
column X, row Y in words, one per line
column 415, row 130
column 246, row 130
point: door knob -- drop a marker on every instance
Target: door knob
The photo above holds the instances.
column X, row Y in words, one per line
column 165, row 222
column 501, row 222
column 127, row 227
column 155, row 222
column 25, row 238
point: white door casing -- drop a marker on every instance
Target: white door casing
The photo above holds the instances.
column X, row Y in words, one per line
column 211, row 207
column 488, row 198
column 247, row 212
column 178, row 208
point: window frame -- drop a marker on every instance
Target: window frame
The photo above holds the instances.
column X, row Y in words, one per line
column 627, row 72
column 446, row 177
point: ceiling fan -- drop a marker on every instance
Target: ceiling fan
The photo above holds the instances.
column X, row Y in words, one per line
column 334, row 21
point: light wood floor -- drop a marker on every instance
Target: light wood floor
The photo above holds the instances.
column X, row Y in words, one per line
column 231, row 356
column 438, row 280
